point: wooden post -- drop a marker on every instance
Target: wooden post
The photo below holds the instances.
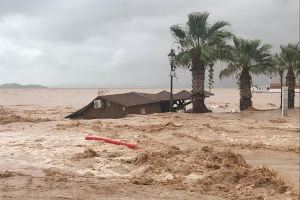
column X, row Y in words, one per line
column 284, row 101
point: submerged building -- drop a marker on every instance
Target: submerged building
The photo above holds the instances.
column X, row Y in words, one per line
column 275, row 85
column 119, row 105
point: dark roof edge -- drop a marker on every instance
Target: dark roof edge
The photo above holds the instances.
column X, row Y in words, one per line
column 73, row 115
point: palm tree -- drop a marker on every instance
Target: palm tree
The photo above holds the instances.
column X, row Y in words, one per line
column 289, row 59
column 248, row 57
column 200, row 44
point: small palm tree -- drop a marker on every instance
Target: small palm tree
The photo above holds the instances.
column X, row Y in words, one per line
column 200, row 44
column 247, row 57
column 289, row 59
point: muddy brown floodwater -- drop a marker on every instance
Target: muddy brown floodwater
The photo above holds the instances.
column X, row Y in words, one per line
column 214, row 156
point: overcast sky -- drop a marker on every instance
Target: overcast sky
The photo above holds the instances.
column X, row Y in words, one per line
column 121, row 43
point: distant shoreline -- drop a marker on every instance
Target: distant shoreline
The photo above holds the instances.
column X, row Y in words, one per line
column 19, row 86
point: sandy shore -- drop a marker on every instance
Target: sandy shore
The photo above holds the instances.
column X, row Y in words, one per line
column 249, row 155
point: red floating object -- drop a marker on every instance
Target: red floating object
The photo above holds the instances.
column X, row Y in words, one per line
column 111, row 141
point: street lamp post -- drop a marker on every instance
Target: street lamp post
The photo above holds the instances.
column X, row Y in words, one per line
column 171, row 57
column 281, row 84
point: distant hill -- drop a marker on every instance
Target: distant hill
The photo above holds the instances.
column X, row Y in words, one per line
column 16, row 85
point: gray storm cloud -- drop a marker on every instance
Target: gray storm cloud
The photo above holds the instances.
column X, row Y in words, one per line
column 121, row 43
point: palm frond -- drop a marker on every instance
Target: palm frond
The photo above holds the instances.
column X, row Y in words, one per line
column 183, row 59
column 197, row 25
column 290, row 56
column 236, row 41
column 229, row 71
column 251, row 55
column 209, row 54
column 178, row 31
column 217, row 26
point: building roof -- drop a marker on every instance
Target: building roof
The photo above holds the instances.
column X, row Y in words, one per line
column 165, row 95
column 278, row 85
column 134, row 99
column 183, row 94
column 208, row 94
column 129, row 99
column 161, row 96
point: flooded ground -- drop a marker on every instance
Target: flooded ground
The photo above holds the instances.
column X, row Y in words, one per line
column 249, row 155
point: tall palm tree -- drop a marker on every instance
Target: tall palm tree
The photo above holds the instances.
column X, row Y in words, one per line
column 289, row 58
column 200, row 44
column 248, row 57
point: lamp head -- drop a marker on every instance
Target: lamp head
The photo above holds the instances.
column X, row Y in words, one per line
column 171, row 56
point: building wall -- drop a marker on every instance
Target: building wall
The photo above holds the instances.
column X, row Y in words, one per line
column 113, row 111
column 149, row 109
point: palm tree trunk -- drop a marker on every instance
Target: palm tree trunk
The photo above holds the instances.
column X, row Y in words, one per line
column 290, row 80
column 198, row 92
column 245, row 90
